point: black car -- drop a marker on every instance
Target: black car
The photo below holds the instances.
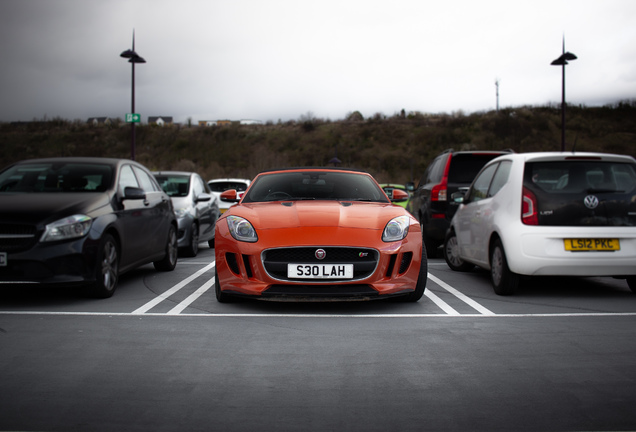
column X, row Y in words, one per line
column 82, row 221
column 449, row 172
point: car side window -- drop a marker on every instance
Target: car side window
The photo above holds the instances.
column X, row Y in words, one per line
column 127, row 178
column 500, row 178
column 147, row 184
column 198, row 186
column 479, row 189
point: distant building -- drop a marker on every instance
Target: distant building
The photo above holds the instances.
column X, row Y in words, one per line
column 96, row 121
column 207, row 123
column 160, row 121
column 251, row 122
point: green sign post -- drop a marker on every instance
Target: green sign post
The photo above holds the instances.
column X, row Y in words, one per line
column 133, row 118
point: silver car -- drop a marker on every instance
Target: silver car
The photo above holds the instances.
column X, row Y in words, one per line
column 196, row 208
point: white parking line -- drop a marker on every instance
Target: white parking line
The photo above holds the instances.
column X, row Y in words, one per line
column 161, row 297
column 472, row 303
column 191, row 298
column 439, row 302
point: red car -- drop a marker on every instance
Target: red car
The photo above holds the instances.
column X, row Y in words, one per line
column 318, row 234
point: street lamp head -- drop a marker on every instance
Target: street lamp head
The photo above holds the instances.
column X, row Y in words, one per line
column 563, row 59
column 136, row 59
column 128, row 54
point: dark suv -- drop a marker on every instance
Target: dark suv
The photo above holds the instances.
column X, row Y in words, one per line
column 449, row 172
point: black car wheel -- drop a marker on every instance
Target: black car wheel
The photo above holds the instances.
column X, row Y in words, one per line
column 451, row 254
column 169, row 261
column 192, row 249
column 504, row 282
column 107, row 268
column 420, row 286
column 220, row 295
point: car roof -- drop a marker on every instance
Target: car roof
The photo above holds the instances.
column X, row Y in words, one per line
column 77, row 159
column 184, row 173
column 558, row 156
column 229, row 179
column 300, row 169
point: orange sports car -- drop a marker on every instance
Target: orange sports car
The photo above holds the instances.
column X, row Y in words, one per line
column 312, row 234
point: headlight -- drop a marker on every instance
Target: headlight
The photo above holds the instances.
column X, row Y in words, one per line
column 71, row 227
column 241, row 229
column 396, row 229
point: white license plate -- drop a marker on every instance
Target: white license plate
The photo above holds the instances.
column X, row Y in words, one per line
column 3, row 259
column 320, row 271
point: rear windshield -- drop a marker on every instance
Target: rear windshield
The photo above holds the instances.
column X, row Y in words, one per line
column 227, row 185
column 56, row 177
column 581, row 176
column 313, row 185
column 583, row 193
column 465, row 167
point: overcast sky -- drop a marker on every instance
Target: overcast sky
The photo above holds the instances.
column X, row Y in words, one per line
column 283, row 59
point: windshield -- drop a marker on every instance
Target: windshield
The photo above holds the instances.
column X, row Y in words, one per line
column 174, row 185
column 56, row 177
column 315, row 185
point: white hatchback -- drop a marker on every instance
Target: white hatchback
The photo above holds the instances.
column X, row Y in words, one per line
column 220, row 185
column 568, row 214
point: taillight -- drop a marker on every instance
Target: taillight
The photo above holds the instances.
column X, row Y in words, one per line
column 438, row 193
column 529, row 214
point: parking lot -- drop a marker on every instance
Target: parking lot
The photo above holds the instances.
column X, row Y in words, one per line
column 163, row 354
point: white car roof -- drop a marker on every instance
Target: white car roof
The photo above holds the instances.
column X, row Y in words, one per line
column 229, row 179
column 551, row 156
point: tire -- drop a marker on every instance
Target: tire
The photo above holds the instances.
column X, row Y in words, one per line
column 631, row 282
column 420, row 286
column 504, row 282
column 169, row 261
column 192, row 249
column 451, row 254
column 221, row 297
column 107, row 269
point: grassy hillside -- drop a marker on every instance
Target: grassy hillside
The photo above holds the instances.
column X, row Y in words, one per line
column 395, row 149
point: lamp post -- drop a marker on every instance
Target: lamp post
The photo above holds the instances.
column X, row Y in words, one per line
column 133, row 58
column 562, row 61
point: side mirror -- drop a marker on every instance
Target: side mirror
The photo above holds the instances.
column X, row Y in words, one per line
column 410, row 186
column 458, row 197
column 230, row 196
column 204, row 197
column 399, row 195
column 134, row 193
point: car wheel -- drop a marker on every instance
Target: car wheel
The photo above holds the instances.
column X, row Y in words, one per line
column 451, row 254
column 503, row 280
column 220, row 295
column 169, row 261
column 420, row 286
column 631, row 282
column 107, row 269
column 193, row 248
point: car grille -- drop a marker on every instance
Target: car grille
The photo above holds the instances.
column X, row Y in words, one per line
column 364, row 260
column 17, row 237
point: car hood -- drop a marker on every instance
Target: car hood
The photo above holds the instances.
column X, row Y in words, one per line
column 295, row 214
column 47, row 207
